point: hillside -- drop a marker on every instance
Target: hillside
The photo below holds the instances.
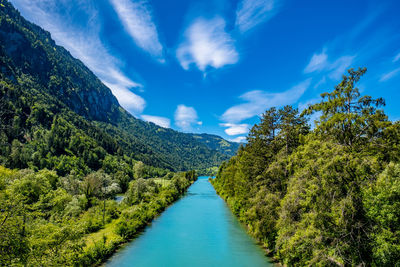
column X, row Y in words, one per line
column 47, row 95
column 217, row 143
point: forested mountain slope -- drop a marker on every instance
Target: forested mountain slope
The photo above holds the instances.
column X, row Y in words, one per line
column 323, row 197
column 47, row 94
column 218, row 143
column 67, row 148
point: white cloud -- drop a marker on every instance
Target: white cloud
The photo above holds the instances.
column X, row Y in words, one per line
column 239, row 139
column 318, row 62
column 235, row 129
column 387, row 76
column 136, row 16
column 207, row 44
column 160, row 121
column 84, row 44
column 320, row 82
column 186, row 117
column 258, row 101
column 127, row 99
column 335, row 69
column 250, row 13
column 396, row 58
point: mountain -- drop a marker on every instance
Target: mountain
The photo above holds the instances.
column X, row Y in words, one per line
column 217, row 143
column 54, row 109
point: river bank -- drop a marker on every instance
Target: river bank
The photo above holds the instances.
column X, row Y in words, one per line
column 134, row 218
column 198, row 230
column 268, row 253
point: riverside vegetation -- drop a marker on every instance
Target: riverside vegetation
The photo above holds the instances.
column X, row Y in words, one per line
column 48, row 220
column 67, row 147
column 329, row 196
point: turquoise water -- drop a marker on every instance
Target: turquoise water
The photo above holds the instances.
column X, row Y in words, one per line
column 198, row 230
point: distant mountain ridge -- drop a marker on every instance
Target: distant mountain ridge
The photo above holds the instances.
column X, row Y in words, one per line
column 42, row 83
column 218, row 143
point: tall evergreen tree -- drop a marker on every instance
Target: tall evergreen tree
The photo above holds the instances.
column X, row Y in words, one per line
column 347, row 116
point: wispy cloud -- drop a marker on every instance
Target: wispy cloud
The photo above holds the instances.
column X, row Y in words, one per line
column 136, row 16
column 319, row 63
column 251, row 13
column 339, row 66
column 387, row 76
column 364, row 41
column 207, row 44
column 396, row 58
column 258, row 101
column 84, row 44
column 320, row 82
column 160, row 121
column 186, row 117
column 130, row 101
column 239, row 139
column 235, row 129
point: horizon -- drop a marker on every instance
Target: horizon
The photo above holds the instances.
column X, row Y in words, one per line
column 219, row 65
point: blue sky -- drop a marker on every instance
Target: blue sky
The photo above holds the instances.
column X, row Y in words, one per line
column 214, row 66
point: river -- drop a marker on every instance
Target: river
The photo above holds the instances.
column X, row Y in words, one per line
column 197, row 230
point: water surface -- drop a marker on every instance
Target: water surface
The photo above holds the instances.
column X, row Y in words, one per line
column 198, row 230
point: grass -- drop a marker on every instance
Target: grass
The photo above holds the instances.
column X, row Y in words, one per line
column 162, row 182
column 108, row 231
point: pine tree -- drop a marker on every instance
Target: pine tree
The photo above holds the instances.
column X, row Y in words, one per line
column 346, row 116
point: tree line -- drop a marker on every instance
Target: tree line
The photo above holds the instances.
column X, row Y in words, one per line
column 56, row 114
column 52, row 220
column 323, row 196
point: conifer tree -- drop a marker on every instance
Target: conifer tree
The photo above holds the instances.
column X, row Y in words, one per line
column 347, row 116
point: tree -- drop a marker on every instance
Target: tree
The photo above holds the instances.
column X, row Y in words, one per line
column 266, row 130
column 382, row 203
column 191, row 175
column 30, row 186
column 99, row 184
column 291, row 127
column 139, row 170
column 14, row 244
column 123, row 180
column 136, row 191
column 346, row 116
column 5, row 109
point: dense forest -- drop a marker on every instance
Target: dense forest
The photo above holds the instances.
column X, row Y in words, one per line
column 67, row 149
column 51, row 220
column 56, row 114
column 327, row 196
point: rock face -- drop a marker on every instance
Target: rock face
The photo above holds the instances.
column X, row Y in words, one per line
column 50, row 83
column 30, row 50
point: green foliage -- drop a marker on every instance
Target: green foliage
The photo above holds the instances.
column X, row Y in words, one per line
column 141, row 190
column 56, row 114
column 346, row 116
column 73, row 148
column 382, row 203
column 46, row 220
column 322, row 206
column 325, row 197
